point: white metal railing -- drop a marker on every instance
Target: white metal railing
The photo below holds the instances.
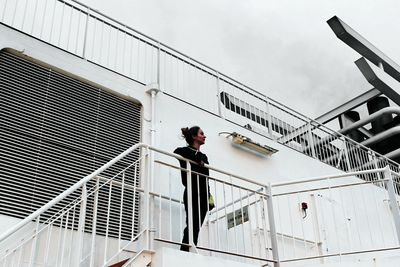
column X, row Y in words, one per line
column 95, row 229
column 346, row 216
column 100, row 39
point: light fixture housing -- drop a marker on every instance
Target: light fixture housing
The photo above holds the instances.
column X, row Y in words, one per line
column 245, row 142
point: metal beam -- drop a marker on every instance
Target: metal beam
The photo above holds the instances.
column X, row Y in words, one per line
column 380, row 80
column 353, row 39
column 349, row 105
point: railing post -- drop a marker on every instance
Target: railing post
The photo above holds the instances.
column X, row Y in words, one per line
column 94, row 223
column 147, row 199
column 272, row 229
column 269, row 118
column 394, row 206
column 311, row 140
column 189, row 206
column 81, row 226
column 346, row 154
column 34, row 243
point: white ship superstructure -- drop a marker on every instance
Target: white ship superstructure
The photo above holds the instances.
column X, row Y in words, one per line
column 90, row 112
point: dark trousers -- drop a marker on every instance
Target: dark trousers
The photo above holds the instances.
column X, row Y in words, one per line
column 199, row 211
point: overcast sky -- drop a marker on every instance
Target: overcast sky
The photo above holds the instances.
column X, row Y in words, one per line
column 283, row 48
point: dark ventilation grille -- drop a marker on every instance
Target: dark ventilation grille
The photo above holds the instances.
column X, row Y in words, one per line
column 54, row 130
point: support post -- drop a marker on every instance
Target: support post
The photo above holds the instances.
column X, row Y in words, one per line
column 394, row 206
column 189, row 204
column 81, row 226
column 310, row 138
column 271, row 220
column 269, row 118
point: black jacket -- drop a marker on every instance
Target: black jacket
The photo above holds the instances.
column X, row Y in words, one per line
column 197, row 156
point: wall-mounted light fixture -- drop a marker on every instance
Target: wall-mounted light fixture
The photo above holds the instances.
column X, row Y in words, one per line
column 247, row 143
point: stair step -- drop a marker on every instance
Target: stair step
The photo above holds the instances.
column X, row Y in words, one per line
column 119, row 264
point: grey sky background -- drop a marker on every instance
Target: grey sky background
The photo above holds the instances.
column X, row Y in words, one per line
column 284, row 48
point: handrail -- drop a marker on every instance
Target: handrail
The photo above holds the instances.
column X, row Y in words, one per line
column 321, row 178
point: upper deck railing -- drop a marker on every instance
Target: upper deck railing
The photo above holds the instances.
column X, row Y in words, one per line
column 95, row 37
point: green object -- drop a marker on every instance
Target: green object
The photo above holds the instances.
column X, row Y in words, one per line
column 211, row 203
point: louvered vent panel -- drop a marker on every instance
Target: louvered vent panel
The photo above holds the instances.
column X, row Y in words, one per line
column 54, row 130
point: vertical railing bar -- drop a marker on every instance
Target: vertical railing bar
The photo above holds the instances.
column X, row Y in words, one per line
column 101, row 42
column 108, row 46
column 208, row 211
column 64, row 238
column 189, row 203
column 280, row 226
column 78, row 32
column 24, row 15
column 311, row 141
column 85, row 33
column 271, row 218
column 218, row 94
column 72, row 235
column 250, row 224
column 61, row 24
column 34, row 17
column 82, row 222
column 198, row 206
column 264, row 225
column 134, row 199
column 137, row 59
column 15, row 12
column 94, row 223
column 159, row 64
column 257, row 222
column 216, row 214
column 346, row 153
column 123, row 51
column 52, row 21
column 170, row 204
column 160, row 214
column 107, row 222
column 145, row 63
column 94, row 36
column 117, row 31
column 121, row 211
column 227, row 231
column 234, row 215
column 59, row 241
column 131, row 56
column 4, row 10
column 34, row 243
column 46, row 256
column 43, row 18
column 242, row 224
column 69, row 27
